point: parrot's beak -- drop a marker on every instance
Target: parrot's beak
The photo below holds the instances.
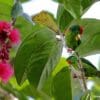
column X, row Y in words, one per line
column 78, row 37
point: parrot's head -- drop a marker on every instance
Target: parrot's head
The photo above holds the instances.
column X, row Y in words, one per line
column 71, row 60
column 77, row 30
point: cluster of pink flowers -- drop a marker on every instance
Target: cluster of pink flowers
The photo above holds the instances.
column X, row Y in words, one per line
column 8, row 37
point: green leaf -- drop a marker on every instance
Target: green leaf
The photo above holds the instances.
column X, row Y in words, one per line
column 24, row 27
column 62, row 85
column 17, row 10
column 72, row 6
column 64, row 18
column 81, row 6
column 51, row 63
column 5, row 11
column 48, row 84
column 24, row 0
column 86, row 96
column 8, row 2
column 89, row 69
column 45, row 18
column 91, row 37
column 37, row 56
column 24, row 90
column 60, row 1
column 11, row 89
column 27, row 17
column 86, row 3
column 62, row 63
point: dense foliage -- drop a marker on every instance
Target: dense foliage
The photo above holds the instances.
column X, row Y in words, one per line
column 40, row 72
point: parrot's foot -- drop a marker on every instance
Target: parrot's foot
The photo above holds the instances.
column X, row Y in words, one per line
column 69, row 50
column 75, row 76
column 78, row 76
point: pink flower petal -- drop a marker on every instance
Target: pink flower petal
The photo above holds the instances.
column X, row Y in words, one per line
column 14, row 36
column 5, row 26
column 6, row 71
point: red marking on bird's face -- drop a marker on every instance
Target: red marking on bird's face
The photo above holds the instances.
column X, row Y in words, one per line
column 81, row 30
column 69, row 62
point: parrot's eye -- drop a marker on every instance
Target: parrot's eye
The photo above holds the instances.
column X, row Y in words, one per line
column 76, row 29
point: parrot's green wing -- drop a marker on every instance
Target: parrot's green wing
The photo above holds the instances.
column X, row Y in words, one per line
column 89, row 69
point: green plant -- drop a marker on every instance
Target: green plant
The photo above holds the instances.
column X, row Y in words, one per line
column 40, row 71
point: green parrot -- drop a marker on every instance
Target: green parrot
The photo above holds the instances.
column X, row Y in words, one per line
column 73, row 36
column 89, row 69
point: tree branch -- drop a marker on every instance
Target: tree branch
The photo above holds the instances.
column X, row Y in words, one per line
column 82, row 71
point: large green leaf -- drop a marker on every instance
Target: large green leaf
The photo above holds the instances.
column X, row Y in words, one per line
column 48, row 85
column 24, row 0
column 24, row 26
column 58, row 85
column 64, row 18
column 61, row 85
column 91, row 37
column 45, row 18
column 37, row 56
column 86, row 3
column 88, row 68
column 72, row 6
column 4, row 11
column 8, row 2
column 24, row 90
column 60, row 1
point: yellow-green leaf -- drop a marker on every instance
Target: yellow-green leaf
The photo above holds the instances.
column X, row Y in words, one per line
column 46, row 19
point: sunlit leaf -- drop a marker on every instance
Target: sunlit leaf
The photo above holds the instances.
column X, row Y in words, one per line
column 73, row 7
column 24, row 27
column 86, row 3
column 5, row 11
column 64, row 18
column 62, row 63
column 62, row 85
column 37, row 56
column 90, row 39
column 8, row 2
column 45, row 18
column 24, row 1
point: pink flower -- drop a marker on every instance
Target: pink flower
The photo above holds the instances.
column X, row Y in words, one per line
column 14, row 36
column 6, row 71
column 5, row 26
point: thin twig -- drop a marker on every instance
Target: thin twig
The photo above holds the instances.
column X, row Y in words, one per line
column 82, row 72
column 78, row 76
column 13, row 21
column 6, row 95
column 79, row 63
